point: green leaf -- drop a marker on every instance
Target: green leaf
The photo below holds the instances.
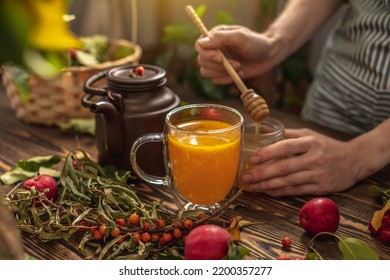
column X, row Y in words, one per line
column 86, row 59
column 170, row 254
column 81, row 125
column 96, row 46
column 190, row 213
column 201, row 10
column 375, row 190
column 20, row 78
column 224, row 18
column 15, row 25
column 34, row 163
column 236, row 252
column 164, row 59
column 179, row 34
column 15, row 175
column 311, row 256
column 123, row 51
column 49, row 171
column 356, row 249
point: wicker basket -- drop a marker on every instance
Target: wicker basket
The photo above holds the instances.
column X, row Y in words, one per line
column 59, row 100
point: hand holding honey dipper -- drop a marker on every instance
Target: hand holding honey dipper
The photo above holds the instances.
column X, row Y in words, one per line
column 253, row 103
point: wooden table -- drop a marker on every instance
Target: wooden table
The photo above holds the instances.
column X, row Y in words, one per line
column 274, row 217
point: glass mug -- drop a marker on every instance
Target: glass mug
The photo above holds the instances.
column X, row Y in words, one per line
column 270, row 131
column 202, row 155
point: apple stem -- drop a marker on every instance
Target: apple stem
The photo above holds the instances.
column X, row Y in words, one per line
column 310, row 247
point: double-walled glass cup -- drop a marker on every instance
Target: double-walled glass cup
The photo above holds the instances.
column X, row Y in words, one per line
column 202, row 155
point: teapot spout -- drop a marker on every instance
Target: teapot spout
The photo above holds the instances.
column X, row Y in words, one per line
column 114, row 126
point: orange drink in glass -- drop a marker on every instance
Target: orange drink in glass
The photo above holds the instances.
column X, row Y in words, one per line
column 202, row 155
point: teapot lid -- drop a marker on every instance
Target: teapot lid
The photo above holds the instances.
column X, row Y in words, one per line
column 122, row 78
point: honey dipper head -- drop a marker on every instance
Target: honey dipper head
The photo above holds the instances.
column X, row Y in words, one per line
column 255, row 105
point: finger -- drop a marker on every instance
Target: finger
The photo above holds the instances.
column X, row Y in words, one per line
column 294, row 179
column 213, row 72
column 292, row 133
column 212, row 69
column 281, row 149
column 278, row 168
column 226, row 27
column 230, row 36
column 207, row 55
column 296, row 133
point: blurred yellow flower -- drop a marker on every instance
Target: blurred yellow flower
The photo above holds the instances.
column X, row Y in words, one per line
column 50, row 31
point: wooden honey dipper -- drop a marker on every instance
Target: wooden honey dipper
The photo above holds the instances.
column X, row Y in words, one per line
column 253, row 103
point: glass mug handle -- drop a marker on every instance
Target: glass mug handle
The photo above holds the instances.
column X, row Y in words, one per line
column 147, row 138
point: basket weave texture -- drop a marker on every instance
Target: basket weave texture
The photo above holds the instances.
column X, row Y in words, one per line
column 59, row 99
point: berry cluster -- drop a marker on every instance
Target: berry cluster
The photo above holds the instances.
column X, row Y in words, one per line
column 383, row 232
column 139, row 229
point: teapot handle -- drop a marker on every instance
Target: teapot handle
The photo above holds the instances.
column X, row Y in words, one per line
column 90, row 91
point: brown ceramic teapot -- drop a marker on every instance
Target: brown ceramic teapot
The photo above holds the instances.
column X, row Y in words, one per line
column 129, row 104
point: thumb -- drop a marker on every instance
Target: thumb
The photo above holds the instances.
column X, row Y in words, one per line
column 210, row 42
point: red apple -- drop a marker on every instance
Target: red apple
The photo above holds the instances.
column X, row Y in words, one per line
column 44, row 183
column 386, row 221
column 207, row 242
column 318, row 215
column 384, row 236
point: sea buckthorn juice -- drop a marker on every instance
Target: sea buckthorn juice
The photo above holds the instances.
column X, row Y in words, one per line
column 202, row 155
column 204, row 165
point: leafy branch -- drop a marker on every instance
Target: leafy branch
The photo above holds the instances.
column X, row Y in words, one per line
column 97, row 203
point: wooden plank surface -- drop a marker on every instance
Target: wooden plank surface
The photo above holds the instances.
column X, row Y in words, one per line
column 274, row 217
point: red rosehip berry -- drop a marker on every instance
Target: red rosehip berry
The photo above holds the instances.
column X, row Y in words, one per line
column 102, row 229
column 136, row 238
column 101, row 218
column 188, row 224
column 160, row 223
column 73, row 54
column 139, row 70
column 146, row 237
column 97, row 235
column 155, row 237
column 201, row 216
column 177, row 233
column 115, row 232
column 134, row 219
column 286, row 242
column 146, row 226
column 283, row 257
column 120, row 240
column 120, row 222
column 166, row 238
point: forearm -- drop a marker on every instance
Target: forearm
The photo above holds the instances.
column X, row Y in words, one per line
column 297, row 23
column 371, row 151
